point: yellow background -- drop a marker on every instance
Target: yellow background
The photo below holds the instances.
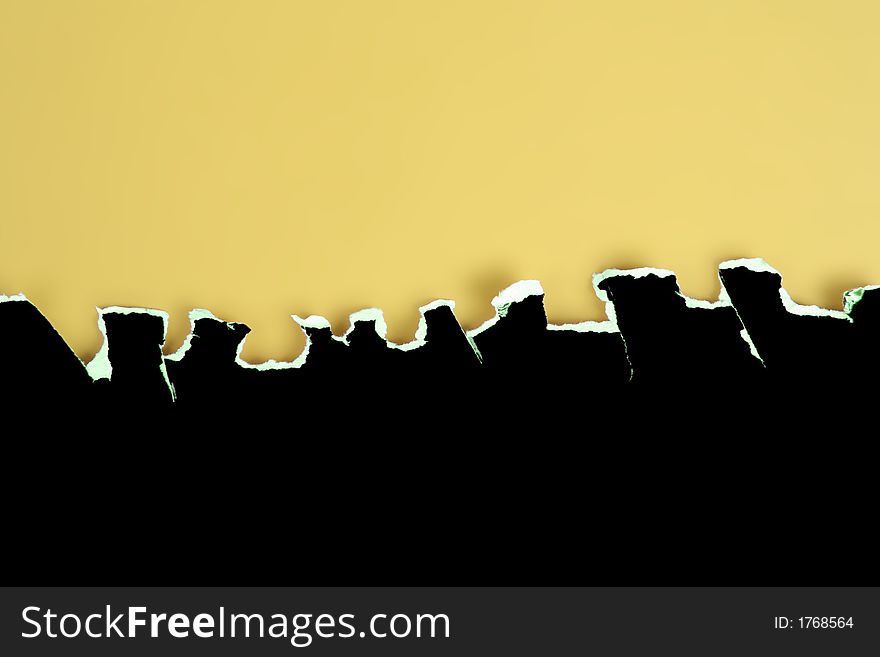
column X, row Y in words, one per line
column 260, row 158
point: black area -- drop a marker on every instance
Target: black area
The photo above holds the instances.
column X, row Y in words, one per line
column 672, row 345
column 207, row 377
column 37, row 366
column 796, row 349
column 863, row 353
column 534, row 365
column 139, row 383
column 667, row 453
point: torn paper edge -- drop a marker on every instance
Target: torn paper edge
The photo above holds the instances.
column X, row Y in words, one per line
column 610, row 311
column 421, row 335
column 101, row 368
column 515, row 293
column 589, row 326
column 374, row 315
column 310, row 322
column 377, row 317
column 762, row 266
column 638, row 272
column 723, row 300
column 522, row 290
column 201, row 313
column 195, row 315
column 852, row 297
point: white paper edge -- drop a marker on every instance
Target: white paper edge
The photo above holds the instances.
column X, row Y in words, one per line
column 760, row 265
column 723, row 300
column 854, row 296
column 100, row 367
column 313, row 322
column 194, row 315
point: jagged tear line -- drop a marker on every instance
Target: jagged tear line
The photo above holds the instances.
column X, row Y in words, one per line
column 690, row 302
column 793, row 307
column 312, row 321
column 201, row 313
column 514, row 293
column 610, row 311
column 194, row 315
column 420, row 338
column 100, row 366
column 520, row 291
column 374, row 315
column 377, row 317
